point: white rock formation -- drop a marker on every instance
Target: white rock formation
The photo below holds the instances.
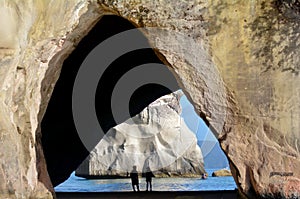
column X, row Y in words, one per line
column 157, row 137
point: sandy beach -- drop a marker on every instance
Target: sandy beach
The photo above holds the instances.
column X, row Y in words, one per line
column 150, row 195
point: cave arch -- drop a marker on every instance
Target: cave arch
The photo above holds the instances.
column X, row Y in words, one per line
column 58, row 116
column 62, row 146
column 48, row 31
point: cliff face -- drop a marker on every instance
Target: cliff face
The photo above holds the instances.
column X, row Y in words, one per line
column 238, row 62
column 157, row 138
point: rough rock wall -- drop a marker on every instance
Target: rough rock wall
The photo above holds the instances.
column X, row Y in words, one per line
column 245, row 86
column 157, row 138
column 32, row 48
column 257, row 44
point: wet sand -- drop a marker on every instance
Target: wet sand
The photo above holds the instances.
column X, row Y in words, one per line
column 150, row 195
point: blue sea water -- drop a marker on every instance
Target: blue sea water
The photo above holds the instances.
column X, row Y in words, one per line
column 77, row 184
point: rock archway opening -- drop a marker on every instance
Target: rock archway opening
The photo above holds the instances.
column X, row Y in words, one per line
column 62, row 146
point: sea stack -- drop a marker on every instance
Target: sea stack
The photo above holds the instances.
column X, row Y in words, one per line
column 157, row 137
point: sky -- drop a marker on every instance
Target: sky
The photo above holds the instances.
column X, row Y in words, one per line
column 211, row 151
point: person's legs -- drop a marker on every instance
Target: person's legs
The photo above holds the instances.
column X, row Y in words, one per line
column 133, row 187
column 138, row 188
column 150, row 183
column 147, row 184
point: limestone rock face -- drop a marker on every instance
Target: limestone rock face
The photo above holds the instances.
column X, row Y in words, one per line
column 157, row 138
column 238, row 62
column 222, row 172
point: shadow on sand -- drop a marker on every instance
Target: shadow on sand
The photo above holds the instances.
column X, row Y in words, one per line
column 155, row 194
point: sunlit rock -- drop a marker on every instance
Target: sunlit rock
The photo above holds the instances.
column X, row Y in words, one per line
column 157, row 138
column 222, row 172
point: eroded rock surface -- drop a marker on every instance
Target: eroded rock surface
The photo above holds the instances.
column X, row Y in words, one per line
column 157, row 138
column 222, row 172
column 238, row 62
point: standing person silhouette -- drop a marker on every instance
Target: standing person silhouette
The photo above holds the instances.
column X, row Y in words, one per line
column 149, row 176
column 134, row 178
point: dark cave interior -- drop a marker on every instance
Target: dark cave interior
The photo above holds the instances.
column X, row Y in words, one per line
column 62, row 146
